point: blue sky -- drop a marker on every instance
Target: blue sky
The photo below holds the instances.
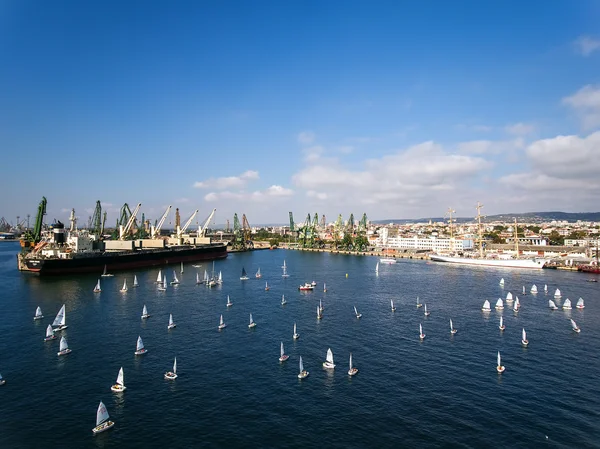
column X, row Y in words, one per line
column 397, row 109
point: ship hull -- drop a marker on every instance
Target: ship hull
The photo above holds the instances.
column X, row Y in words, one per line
column 532, row 264
column 121, row 261
column 594, row 269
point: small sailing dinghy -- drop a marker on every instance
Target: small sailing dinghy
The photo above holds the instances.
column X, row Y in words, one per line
column 319, row 313
column 162, row 286
column 328, row 363
column 139, row 349
column 64, row 347
column 524, row 340
column 171, row 325
column 509, row 297
column 159, row 278
column 282, row 355
column 2, row 380
column 324, row 287
column 145, row 313
column 377, row 268
column 552, row 305
column 258, row 275
column 267, row 288
column 172, row 375
column 358, row 315
column 229, row 303
column 105, row 274
column 303, row 374
column 580, row 304
column 296, row 335
column 574, row 326
column 38, row 314
column 351, row 370
column 426, row 313
column 124, row 288
column 502, row 326
column 516, row 305
column 452, row 330
column 283, row 301
column 421, row 334
column 198, row 281
column 486, row 306
column 49, row 333
column 181, row 270
column 97, row 288
column 222, row 324
column 557, row 294
column 244, row 276
column 524, row 291
column 502, row 282
column 285, row 273
column 59, row 322
column 499, row 367
column 220, row 278
column 119, row 386
column 499, row 304
column 135, row 281
column 175, row 280
column 567, row 304
column 252, row 323
column 534, row 289
column 545, row 288
column 418, row 303
column 392, row 305
column 321, row 305
column 102, row 421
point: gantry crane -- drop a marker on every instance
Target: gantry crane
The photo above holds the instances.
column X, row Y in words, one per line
column 30, row 239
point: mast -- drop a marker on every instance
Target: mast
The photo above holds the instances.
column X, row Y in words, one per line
column 516, row 237
column 451, row 222
column 479, row 228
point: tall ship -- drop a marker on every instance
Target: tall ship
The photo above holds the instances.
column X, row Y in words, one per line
column 59, row 251
column 488, row 260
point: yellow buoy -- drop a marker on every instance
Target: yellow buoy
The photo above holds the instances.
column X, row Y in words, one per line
column 346, row 274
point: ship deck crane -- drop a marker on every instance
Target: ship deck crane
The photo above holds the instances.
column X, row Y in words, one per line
column 181, row 230
column 202, row 230
column 30, row 239
column 155, row 230
column 124, row 230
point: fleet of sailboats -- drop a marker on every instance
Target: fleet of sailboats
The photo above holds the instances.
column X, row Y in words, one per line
column 102, row 420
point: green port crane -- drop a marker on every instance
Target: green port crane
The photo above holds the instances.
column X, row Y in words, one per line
column 239, row 242
column 32, row 238
column 361, row 243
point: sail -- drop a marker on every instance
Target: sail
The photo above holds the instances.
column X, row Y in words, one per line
column 502, row 281
column 499, row 304
column 221, row 321
column 49, row 331
column 567, row 304
column 63, row 344
column 509, row 296
column 523, row 289
column 551, row 304
column 220, row 277
column 318, row 311
column 181, row 267
column 175, row 366
column 501, row 322
column 281, row 350
column 573, row 323
column 144, row 310
column 524, row 335
column 451, row 327
column 120, row 378
column 425, row 308
column 545, row 288
column 499, row 359
column 580, row 302
column 355, row 311
column 101, row 414
column 251, row 320
column 124, row 285
column 301, row 364
column 159, row 277
column 557, row 293
column 350, row 362
column 486, row 305
column 534, row 288
column 135, row 281
column 140, row 344
column 97, row 287
column 175, row 280
column 205, row 275
column 164, row 281
column 170, row 319
column 420, row 329
column 197, row 278
column 377, row 268
column 330, row 356
column 392, row 303
column 60, row 317
column 38, row 312
column 294, row 328
column 228, row 300
column 243, row 272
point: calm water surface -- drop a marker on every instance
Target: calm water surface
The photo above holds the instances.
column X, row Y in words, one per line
column 233, row 392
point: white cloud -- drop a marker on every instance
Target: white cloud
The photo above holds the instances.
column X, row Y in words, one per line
column 182, row 200
column 475, row 128
column 306, row 137
column 317, row 195
column 228, row 181
column 312, row 154
column 520, row 129
column 587, row 45
column 586, row 103
column 276, row 190
column 271, row 193
column 346, row 149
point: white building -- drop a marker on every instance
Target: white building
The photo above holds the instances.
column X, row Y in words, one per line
column 422, row 243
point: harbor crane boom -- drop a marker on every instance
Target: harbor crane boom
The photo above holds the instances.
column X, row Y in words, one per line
column 180, row 231
column 124, row 230
column 202, row 231
column 155, row 230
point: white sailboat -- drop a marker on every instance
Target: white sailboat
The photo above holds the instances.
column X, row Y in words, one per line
column 452, row 330
column 533, row 289
column 159, row 278
column 575, row 327
column 172, row 375
column 545, row 288
column 557, row 294
column 324, row 287
column 524, row 340
column 319, row 314
column 321, row 305
column 162, row 285
column 499, row 367
column 501, row 326
column 140, row 349
column 351, row 370
column 377, row 268
column 220, row 278
column 580, row 304
column 135, row 281
column 145, row 313
column 421, row 334
column 552, row 305
column 418, row 303
column 358, row 315
column 124, row 288
column 171, row 325
column 282, row 355
column 502, row 282
column 267, row 288
column 258, row 275
column 97, row 288
column 392, row 305
column 105, row 274
column 567, row 304
column 328, row 363
column 59, row 322
column 181, row 270
column 64, row 347
column 244, row 276
column 499, row 304
column 426, row 313
column 516, row 305
column 175, row 280
column 205, row 277
column 509, row 297
column 285, row 273
column 523, row 291
column 222, row 324
column 49, row 333
column 252, row 323
column 198, row 281
column 229, row 303
column 119, row 386
column 303, row 373
column 486, row 306
column 102, row 421
column 283, row 301
column 296, row 335
column 38, row 314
